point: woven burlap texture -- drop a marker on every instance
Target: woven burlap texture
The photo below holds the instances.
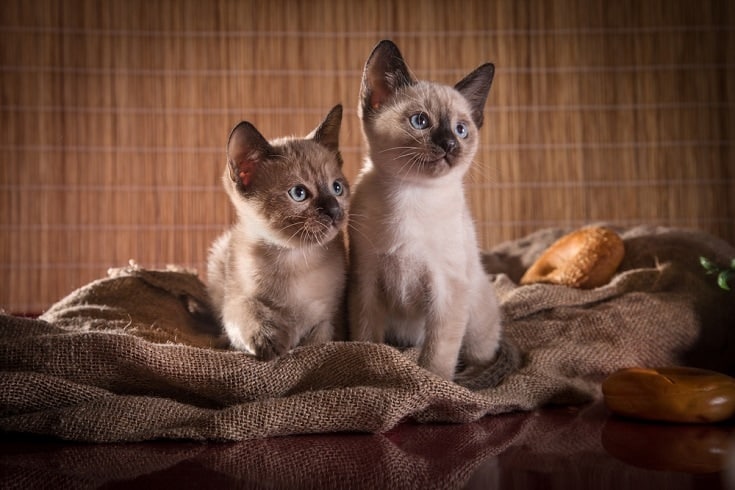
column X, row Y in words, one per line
column 133, row 357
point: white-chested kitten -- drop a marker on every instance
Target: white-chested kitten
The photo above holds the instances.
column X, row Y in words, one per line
column 277, row 277
column 415, row 272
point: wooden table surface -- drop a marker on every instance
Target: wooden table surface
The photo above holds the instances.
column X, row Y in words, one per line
column 564, row 448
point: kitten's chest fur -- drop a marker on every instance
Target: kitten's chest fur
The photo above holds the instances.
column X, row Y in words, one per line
column 300, row 280
column 421, row 242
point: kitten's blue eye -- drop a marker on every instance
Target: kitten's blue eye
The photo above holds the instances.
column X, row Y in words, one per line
column 337, row 188
column 461, row 130
column 419, row 120
column 298, row 193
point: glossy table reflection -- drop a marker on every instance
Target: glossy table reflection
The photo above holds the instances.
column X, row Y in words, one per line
column 565, row 448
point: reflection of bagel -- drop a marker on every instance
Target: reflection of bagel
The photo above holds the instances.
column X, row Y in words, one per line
column 671, row 394
column 586, row 258
column 687, row 448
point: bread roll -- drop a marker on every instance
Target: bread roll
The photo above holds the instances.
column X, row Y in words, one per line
column 586, row 258
column 671, row 394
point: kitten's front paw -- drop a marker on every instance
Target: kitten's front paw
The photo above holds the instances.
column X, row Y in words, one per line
column 267, row 347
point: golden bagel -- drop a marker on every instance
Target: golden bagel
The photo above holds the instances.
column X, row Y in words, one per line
column 670, row 394
column 586, row 258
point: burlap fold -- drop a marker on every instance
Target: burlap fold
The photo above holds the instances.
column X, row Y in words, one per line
column 134, row 356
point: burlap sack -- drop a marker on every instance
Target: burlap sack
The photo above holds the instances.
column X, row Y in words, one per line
column 134, row 357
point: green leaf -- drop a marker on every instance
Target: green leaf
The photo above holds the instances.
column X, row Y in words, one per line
column 723, row 278
column 708, row 265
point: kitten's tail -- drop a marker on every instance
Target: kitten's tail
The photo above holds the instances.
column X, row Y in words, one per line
column 508, row 359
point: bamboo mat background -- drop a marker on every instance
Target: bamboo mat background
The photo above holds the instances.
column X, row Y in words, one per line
column 114, row 116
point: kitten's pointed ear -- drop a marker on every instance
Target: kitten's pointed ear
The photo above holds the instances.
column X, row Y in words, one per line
column 246, row 149
column 475, row 88
column 327, row 133
column 384, row 73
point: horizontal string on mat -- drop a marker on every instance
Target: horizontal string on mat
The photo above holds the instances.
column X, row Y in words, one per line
column 184, row 189
column 240, row 111
column 111, row 227
column 327, row 73
column 102, row 266
column 176, row 149
column 339, row 34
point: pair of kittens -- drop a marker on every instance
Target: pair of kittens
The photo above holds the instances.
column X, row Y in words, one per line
column 278, row 277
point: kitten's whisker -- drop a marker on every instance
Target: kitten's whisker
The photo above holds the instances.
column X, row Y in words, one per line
column 419, row 140
column 408, row 165
column 416, row 161
column 306, row 257
column 284, row 228
column 477, row 169
column 299, row 230
column 398, row 148
column 408, row 154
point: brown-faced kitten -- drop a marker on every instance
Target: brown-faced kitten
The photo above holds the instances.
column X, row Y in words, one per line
column 277, row 277
column 415, row 272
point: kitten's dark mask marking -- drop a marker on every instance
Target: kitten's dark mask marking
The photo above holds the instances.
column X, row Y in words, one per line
column 329, row 206
column 444, row 138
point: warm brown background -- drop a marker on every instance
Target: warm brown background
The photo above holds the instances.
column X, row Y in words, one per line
column 114, row 114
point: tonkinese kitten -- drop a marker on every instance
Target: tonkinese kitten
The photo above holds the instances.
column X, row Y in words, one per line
column 277, row 277
column 415, row 271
